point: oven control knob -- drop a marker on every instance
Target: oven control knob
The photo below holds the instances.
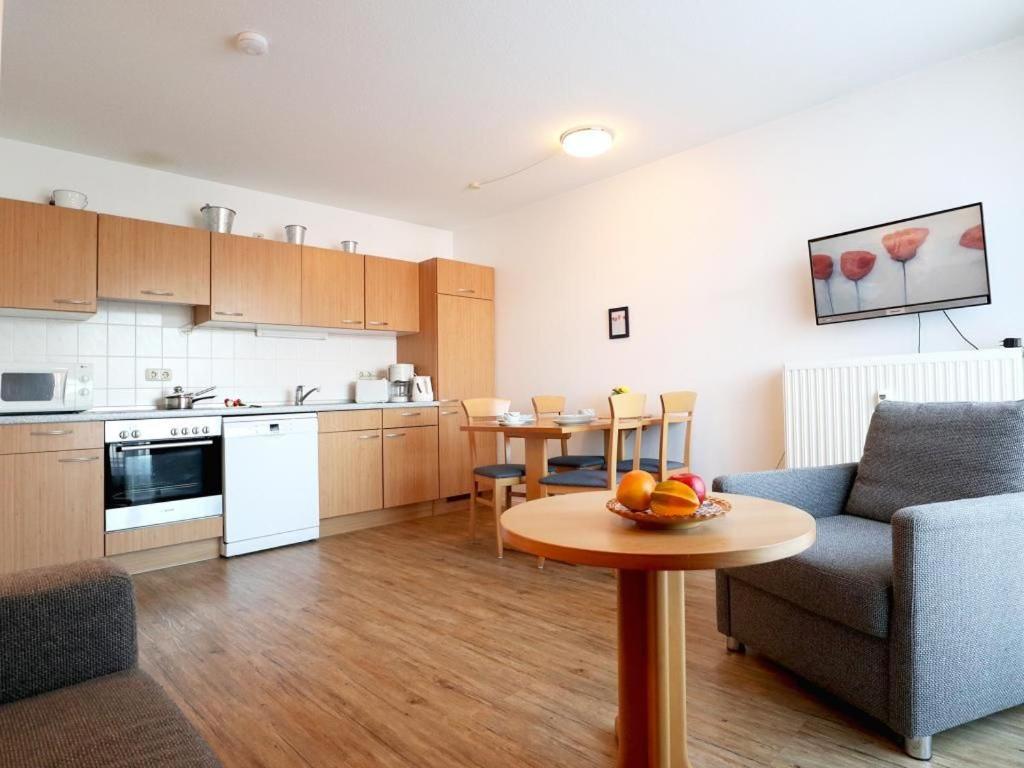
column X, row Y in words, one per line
column 195, row 430
column 174, row 431
column 122, row 434
column 136, row 433
column 84, row 379
column 206, row 430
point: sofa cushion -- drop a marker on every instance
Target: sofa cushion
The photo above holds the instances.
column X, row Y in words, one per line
column 846, row 575
column 123, row 719
column 921, row 453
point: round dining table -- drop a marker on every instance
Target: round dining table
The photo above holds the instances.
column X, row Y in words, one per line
column 577, row 528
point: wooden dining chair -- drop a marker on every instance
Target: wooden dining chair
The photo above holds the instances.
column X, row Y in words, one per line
column 496, row 478
column 676, row 408
column 627, row 410
column 549, row 406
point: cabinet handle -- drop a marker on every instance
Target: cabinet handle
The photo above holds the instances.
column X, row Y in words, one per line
column 79, row 460
column 411, row 413
column 375, row 322
column 370, row 437
column 449, row 413
column 149, row 292
column 351, row 321
column 230, row 314
column 465, row 290
column 395, row 434
column 53, row 433
column 76, row 302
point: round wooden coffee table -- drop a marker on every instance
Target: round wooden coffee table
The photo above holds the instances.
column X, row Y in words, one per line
column 576, row 528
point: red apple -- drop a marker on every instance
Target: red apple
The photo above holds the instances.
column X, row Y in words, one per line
column 694, row 481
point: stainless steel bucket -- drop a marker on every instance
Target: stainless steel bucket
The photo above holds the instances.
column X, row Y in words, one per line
column 295, row 233
column 349, row 246
column 217, row 218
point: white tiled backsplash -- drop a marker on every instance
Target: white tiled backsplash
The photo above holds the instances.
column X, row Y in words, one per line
column 123, row 339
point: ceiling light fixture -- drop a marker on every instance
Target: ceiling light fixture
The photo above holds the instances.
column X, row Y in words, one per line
column 588, row 141
column 251, row 43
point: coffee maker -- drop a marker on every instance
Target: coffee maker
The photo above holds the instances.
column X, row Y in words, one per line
column 400, row 375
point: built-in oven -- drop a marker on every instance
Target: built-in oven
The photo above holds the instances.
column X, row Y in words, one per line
column 162, row 470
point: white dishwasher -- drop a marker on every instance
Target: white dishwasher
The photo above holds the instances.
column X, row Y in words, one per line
column 271, row 486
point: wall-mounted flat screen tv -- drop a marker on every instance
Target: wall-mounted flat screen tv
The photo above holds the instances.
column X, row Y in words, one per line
column 921, row 264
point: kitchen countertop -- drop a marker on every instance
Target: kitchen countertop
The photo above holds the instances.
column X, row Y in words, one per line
column 112, row 414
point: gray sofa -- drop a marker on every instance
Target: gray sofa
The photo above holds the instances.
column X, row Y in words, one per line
column 71, row 694
column 910, row 605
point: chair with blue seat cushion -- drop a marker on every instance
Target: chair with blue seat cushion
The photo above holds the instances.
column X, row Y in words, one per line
column 909, row 604
column 676, row 408
column 627, row 410
column 548, row 406
column 581, row 478
column 496, row 478
column 653, row 466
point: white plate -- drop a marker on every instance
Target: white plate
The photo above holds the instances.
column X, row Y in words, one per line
column 516, row 422
column 572, row 419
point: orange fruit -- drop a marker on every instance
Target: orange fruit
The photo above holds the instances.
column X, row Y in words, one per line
column 635, row 490
column 674, row 499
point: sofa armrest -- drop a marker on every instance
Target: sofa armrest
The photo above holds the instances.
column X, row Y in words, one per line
column 957, row 649
column 820, row 491
column 61, row 626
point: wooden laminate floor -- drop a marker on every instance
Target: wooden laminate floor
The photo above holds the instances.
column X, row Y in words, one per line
column 410, row 647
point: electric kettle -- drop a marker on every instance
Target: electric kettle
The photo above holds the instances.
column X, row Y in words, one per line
column 422, row 389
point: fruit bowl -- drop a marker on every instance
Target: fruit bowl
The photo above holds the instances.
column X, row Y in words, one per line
column 709, row 510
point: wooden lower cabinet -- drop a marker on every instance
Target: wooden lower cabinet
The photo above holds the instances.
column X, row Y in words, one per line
column 51, row 508
column 410, row 465
column 351, row 472
column 455, row 473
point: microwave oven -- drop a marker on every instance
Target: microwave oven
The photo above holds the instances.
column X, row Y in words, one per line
column 45, row 388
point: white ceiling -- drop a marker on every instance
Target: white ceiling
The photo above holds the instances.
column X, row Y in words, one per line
column 393, row 107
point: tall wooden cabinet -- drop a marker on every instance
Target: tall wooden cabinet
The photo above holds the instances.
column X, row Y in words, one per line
column 47, row 257
column 455, row 346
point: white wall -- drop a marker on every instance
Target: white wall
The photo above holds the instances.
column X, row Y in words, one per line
column 125, row 338
column 708, row 248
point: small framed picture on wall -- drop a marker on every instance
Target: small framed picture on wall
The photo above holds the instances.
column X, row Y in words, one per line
column 618, row 323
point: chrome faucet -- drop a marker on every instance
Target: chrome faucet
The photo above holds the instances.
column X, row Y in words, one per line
column 301, row 394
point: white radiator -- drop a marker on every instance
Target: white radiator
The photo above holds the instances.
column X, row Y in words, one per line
column 829, row 405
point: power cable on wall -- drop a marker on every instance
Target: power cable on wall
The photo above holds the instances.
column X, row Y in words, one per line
column 973, row 345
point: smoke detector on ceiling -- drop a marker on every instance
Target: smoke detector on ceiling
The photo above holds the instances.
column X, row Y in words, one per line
column 251, row 43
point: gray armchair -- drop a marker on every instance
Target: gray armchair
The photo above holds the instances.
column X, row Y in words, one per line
column 910, row 605
column 71, row 694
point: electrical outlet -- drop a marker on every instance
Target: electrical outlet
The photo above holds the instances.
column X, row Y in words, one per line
column 158, row 374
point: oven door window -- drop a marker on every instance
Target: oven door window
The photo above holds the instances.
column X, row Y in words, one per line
column 150, row 473
column 28, row 387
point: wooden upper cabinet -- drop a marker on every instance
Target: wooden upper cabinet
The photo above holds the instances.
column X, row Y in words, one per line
column 332, row 288
column 148, row 261
column 47, row 257
column 465, row 348
column 253, row 280
column 461, row 279
column 392, row 295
